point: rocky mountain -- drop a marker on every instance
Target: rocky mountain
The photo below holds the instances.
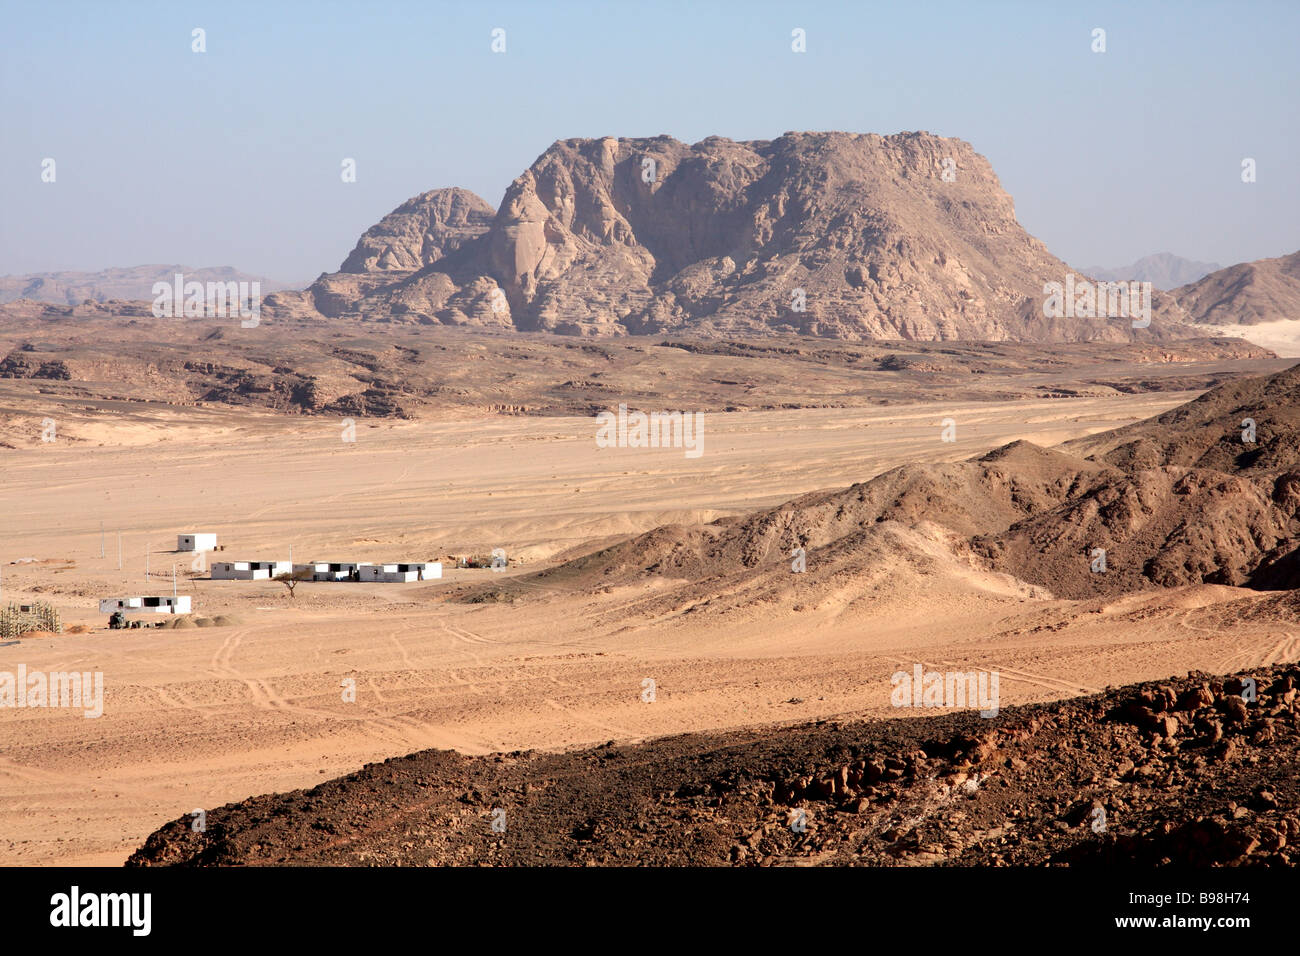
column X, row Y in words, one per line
column 132, row 283
column 418, row 234
column 1249, row 293
column 838, row 235
column 1163, row 270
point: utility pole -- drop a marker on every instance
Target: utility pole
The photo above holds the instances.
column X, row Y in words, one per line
column 173, row 582
column 101, row 539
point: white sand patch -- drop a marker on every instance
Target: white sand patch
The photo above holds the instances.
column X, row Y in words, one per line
column 1282, row 337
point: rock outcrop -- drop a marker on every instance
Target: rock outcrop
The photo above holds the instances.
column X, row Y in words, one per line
column 841, row 235
column 1196, row 771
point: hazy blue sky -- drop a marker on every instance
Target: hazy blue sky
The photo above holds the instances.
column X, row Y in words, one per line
column 232, row 157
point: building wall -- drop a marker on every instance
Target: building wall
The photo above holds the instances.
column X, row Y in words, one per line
column 387, row 576
column 248, row 570
column 134, row 605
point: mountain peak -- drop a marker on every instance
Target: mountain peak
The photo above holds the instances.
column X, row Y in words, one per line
column 1163, row 270
column 828, row 233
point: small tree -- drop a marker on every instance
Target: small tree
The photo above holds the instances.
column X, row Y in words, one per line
column 290, row 579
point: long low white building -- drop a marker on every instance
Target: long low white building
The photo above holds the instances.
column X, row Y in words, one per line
column 248, row 570
column 392, row 572
column 332, row 570
column 401, row 571
column 146, row 605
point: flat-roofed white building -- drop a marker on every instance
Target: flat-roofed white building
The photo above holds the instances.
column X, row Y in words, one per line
column 401, row 571
column 428, row 569
column 196, row 541
column 333, row 570
column 387, row 573
column 249, row 570
column 146, row 605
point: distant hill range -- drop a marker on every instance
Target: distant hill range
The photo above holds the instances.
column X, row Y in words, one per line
column 839, row 235
column 1249, row 293
column 1163, row 270
column 130, row 283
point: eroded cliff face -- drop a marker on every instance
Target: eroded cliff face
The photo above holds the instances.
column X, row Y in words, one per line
column 834, row 234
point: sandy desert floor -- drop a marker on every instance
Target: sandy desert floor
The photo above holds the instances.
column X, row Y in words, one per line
column 1280, row 337
column 195, row 718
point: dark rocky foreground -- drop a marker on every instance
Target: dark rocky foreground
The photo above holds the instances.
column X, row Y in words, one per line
column 1186, row 771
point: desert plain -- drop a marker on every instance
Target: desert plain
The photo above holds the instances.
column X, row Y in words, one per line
column 485, row 662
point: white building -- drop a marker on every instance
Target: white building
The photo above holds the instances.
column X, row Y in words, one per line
column 400, row 572
column 387, row 573
column 196, row 541
column 333, row 570
column 146, row 605
column 248, row 570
